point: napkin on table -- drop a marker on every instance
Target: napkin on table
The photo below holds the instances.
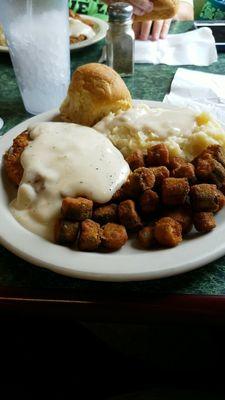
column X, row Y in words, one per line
column 196, row 47
column 199, row 90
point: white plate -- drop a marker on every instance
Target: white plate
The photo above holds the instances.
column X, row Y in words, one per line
column 100, row 29
column 127, row 264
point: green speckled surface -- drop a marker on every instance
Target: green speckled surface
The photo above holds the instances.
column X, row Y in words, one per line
column 149, row 82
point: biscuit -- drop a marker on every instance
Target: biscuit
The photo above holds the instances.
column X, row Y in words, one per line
column 94, row 92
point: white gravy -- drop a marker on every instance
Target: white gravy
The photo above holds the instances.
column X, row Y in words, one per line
column 78, row 28
column 64, row 159
column 162, row 122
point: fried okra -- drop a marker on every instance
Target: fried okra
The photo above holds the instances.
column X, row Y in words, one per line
column 221, row 199
column 66, row 232
column 175, row 191
column 210, row 170
column 138, row 181
column 149, row 201
column 186, row 170
column 90, row 236
column 157, row 155
column 146, row 237
column 160, row 174
column 216, row 152
column 119, row 195
column 105, row 214
column 76, row 209
column 176, row 162
column 136, row 160
column 183, row 215
column 128, row 215
column 168, row 232
column 222, row 188
column 113, row 236
column 205, row 197
column 204, row 221
column 97, row 227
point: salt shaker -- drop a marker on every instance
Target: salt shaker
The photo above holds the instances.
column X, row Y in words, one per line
column 120, row 39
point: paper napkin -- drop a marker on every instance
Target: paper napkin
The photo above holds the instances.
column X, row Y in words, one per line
column 199, row 90
column 196, row 47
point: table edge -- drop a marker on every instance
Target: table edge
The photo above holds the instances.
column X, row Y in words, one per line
column 130, row 309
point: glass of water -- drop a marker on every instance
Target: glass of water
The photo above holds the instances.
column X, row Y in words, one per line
column 37, row 33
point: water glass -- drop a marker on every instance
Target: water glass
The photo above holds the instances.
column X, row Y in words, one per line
column 37, row 33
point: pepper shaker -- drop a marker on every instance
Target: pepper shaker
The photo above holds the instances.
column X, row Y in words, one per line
column 120, row 39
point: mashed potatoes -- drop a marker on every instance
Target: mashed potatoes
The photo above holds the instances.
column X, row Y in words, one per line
column 184, row 131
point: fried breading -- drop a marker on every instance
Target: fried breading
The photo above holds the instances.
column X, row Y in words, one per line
column 149, row 201
column 205, row 197
column 66, row 232
column 160, row 174
column 113, row 236
column 157, row 156
column 138, row 181
column 221, row 199
column 176, row 162
column 186, row 170
column 105, row 214
column 77, row 209
column 175, row 191
column 209, row 170
column 215, row 151
column 136, row 160
column 168, row 232
column 90, row 236
column 128, row 215
column 183, row 215
column 119, row 195
column 146, row 237
column 204, row 221
column 12, row 164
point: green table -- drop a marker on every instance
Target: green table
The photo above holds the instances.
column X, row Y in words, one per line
column 198, row 294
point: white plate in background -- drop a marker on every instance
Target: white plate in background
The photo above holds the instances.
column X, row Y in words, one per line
column 100, row 28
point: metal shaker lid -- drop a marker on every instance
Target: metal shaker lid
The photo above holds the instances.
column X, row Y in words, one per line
column 120, row 12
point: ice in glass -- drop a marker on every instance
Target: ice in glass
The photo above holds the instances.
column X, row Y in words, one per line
column 37, row 32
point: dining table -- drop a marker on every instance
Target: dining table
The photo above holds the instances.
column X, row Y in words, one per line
column 197, row 295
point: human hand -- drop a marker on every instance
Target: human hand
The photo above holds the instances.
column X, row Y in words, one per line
column 140, row 7
column 158, row 29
